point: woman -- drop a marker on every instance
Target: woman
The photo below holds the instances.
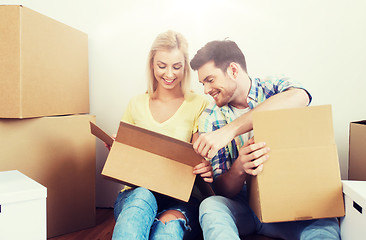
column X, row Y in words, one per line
column 170, row 108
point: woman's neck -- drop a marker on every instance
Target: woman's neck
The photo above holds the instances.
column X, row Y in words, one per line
column 163, row 94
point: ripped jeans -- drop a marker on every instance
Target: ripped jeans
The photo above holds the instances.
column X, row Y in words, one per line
column 136, row 212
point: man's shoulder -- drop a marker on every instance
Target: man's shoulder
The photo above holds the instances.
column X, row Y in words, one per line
column 270, row 78
column 211, row 109
column 211, row 117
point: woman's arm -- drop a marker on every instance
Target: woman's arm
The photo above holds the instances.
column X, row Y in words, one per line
column 204, row 168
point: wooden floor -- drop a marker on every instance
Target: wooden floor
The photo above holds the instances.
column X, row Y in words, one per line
column 102, row 231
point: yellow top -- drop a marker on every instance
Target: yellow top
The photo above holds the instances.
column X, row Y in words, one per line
column 182, row 125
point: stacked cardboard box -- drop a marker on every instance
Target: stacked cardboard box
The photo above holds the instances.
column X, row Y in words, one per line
column 357, row 151
column 44, row 121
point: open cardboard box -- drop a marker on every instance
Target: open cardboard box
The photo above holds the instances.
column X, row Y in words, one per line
column 301, row 179
column 140, row 157
column 357, row 151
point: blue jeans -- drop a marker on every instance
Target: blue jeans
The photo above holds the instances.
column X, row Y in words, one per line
column 136, row 212
column 223, row 218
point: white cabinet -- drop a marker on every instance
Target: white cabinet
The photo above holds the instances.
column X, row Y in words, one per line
column 22, row 207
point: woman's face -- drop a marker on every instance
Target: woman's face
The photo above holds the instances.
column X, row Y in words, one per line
column 168, row 67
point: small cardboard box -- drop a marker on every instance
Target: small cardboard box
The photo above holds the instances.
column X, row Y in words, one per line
column 22, row 207
column 59, row 153
column 353, row 224
column 140, row 157
column 43, row 66
column 301, row 179
column 357, row 151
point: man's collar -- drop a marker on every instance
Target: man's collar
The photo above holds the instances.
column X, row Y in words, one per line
column 253, row 93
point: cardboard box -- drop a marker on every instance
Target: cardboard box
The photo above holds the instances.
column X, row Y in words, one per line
column 22, row 207
column 43, row 66
column 140, row 157
column 353, row 224
column 301, row 179
column 357, row 151
column 59, row 153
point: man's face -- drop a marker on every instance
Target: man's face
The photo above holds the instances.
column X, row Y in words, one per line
column 216, row 83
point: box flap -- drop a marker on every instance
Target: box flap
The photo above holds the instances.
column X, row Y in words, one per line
column 157, row 143
column 308, row 126
column 99, row 133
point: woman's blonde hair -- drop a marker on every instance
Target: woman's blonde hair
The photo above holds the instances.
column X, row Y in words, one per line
column 168, row 40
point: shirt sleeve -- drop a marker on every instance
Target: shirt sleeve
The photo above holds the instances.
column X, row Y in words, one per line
column 273, row 85
column 208, row 123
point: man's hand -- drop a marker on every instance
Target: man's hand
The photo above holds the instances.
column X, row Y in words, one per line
column 208, row 144
column 249, row 162
column 251, row 158
column 205, row 170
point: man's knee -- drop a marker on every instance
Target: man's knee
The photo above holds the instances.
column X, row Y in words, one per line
column 211, row 205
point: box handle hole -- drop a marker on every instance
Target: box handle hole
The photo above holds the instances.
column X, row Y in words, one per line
column 357, row 207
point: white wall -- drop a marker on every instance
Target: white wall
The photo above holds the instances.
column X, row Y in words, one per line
column 320, row 43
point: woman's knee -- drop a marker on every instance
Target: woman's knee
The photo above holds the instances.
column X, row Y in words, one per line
column 142, row 198
column 170, row 215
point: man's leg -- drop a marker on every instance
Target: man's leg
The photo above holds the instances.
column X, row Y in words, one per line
column 322, row 229
column 304, row 230
column 223, row 218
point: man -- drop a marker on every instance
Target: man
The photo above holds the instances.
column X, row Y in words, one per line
column 226, row 139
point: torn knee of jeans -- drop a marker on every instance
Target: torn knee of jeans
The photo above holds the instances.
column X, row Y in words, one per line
column 179, row 221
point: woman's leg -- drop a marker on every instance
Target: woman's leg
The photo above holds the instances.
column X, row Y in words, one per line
column 179, row 221
column 134, row 211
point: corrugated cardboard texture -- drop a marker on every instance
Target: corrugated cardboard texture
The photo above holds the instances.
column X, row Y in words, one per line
column 59, row 153
column 357, row 151
column 160, row 163
column 9, row 61
column 43, row 66
column 301, row 179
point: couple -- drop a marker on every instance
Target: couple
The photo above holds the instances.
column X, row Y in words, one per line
column 169, row 107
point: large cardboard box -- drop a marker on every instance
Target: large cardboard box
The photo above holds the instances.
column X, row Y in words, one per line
column 301, row 179
column 59, row 153
column 354, row 222
column 43, row 66
column 140, row 157
column 22, row 207
column 357, row 151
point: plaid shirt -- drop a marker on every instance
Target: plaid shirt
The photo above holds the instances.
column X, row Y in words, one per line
column 214, row 117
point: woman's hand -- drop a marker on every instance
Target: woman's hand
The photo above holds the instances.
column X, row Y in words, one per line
column 205, row 170
column 106, row 145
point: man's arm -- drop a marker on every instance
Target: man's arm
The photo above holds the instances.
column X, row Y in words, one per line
column 250, row 161
column 208, row 144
